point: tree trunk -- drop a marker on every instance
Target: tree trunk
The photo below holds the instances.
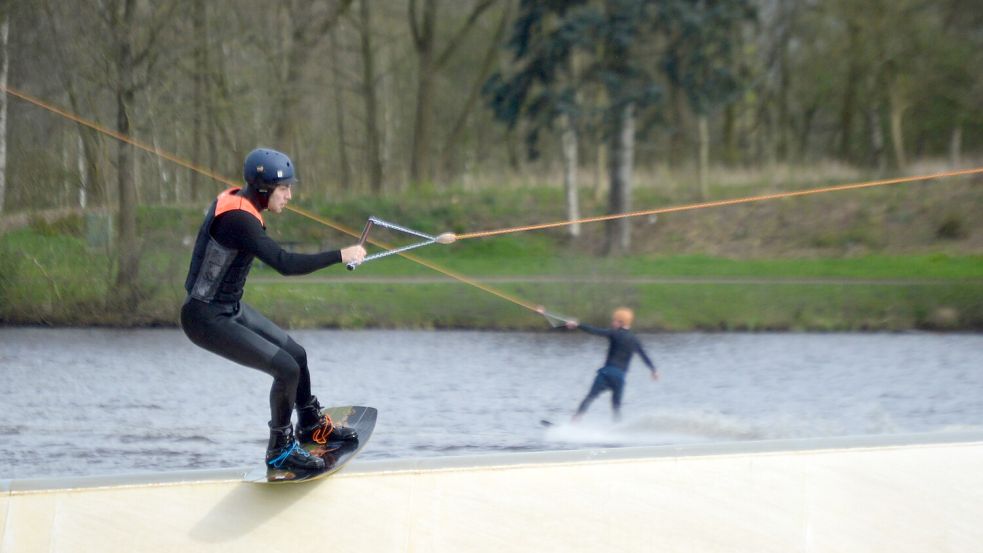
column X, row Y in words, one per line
column 4, row 68
column 808, row 116
column 92, row 189
column 372, row 147
column 622, row 158
column 129, row 258
column 66, row 170
column 848, row 106
column 420, row 162
column 770, row 137
column 161, row 168
column 218, row 101
column 896, row 107
column 389, row 123
column 703, row 136
column 512, row 149
column 600, row 167
column 285, row 72
column 289, row 96
column 782, row 146
column 956, row 146
column 568, row 138
column 198, row 95
column 876, row 139
column 729, row 136
column 128, row 268
column 83, row 173
column 600, row 98
column 677, row 135
column 344, row 166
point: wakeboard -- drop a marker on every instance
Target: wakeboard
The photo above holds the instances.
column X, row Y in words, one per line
column 336, row 454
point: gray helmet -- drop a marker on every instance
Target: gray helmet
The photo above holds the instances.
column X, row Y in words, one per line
column 265, row 169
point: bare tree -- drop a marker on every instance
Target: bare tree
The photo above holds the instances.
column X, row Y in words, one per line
column 337, row 78
column 130, row 38
column 4, row 66
column 306, row 30
column 829, row 79
column 373, row 155
column 423, row 41
column 568, row 139
column 92, row 191
column 620, row 170
column 486, row 67
column 200, row 93
column 121, row 17
column 429, row 62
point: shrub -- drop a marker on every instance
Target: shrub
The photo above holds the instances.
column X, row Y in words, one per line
column 70, row 225
column 951, row 228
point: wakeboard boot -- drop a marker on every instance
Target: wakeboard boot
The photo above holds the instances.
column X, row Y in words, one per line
column 314, row 427
column 285, row 453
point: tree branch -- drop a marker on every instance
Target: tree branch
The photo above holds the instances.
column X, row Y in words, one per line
column 486, row 68
column 414, row 27
column 462, row 32
column 308, row 38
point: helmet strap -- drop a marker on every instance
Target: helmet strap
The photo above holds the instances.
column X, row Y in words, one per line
column 258, row 198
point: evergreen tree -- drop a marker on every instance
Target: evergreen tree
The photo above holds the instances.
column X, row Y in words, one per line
column 606, row 39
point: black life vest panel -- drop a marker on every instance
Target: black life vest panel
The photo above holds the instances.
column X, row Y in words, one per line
column 218, row 274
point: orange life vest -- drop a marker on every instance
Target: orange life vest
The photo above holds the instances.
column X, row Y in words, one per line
column 228, row 201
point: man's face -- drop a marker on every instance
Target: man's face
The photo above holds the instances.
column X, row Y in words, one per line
column 279, row 198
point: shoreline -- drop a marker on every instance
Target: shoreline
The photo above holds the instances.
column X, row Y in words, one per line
column 6, row 325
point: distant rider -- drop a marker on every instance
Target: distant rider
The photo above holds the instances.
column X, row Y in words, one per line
column 214, row 317
column 622, row 344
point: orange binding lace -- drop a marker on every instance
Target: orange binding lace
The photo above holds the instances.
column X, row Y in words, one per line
column 322, row 432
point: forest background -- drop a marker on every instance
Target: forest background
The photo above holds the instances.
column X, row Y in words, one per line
column 483, row 114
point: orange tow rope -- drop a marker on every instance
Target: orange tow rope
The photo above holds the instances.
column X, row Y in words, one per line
column 720, row 203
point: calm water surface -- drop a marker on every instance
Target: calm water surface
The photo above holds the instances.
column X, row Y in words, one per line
column 81, row 401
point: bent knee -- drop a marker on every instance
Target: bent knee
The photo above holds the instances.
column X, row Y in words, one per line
column 284, row 367
column 296, row 351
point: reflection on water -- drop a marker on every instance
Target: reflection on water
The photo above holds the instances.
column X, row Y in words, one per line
column 113, row 401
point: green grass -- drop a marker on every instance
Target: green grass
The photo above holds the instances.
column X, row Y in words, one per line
column 813, row 266
column 935, row 266
column 676, row 307
column 56, row 280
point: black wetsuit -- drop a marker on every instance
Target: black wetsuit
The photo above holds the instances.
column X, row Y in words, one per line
column 622, row 345
column 214, row 318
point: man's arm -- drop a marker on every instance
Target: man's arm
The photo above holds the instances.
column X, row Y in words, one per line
column 643, row 355
column 241, row 231
column 606, row 332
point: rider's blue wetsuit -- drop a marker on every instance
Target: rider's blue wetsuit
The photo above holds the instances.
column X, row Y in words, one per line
column 622, row 345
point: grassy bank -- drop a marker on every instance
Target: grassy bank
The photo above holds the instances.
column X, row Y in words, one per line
column 889, row 259
column 702, row 306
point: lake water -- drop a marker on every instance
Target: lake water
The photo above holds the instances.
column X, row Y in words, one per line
column 96, row 401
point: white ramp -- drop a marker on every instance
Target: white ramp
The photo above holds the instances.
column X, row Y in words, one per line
column 893, row 494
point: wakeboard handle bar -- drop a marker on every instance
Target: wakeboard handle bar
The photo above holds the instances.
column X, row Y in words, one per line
column 387, row 253
column 361, row 240
column 394, row 226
